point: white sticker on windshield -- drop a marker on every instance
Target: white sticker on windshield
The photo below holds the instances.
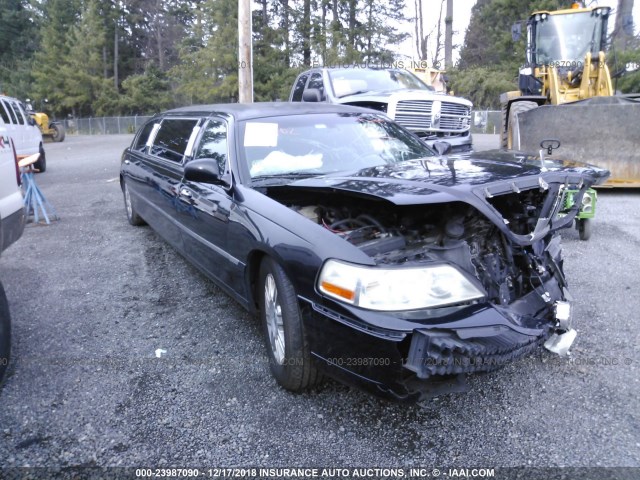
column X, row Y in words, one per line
column 257, row 134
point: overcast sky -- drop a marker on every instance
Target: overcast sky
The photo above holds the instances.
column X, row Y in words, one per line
column 461, row 16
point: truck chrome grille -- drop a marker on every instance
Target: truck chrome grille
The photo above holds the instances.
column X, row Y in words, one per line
column 433, row 116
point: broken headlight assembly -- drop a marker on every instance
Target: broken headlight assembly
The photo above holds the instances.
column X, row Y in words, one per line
column 397, row 289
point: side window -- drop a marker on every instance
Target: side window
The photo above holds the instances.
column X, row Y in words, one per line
column 172, row 138
column 299, row 88
column 316, row 82
column 19, row 114
column 214, row 143
column 143, row 135
column 12, row 114
column 3, row 112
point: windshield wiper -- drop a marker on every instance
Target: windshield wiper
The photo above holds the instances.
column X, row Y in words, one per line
column 359, row 92
column 284, row 176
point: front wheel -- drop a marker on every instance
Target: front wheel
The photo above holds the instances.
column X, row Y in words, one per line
column 5, row 334
column 513, row 128
column 584, row 228
column 287, row 347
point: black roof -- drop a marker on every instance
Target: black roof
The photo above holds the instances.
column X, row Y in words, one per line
column 248, row 111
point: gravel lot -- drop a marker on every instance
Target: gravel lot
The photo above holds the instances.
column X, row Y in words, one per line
column 92, row 298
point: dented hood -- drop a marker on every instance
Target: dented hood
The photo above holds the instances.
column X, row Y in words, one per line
column 441, row 179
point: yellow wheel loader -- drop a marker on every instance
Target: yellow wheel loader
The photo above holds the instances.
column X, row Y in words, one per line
column 565, row 93
column 54, row 130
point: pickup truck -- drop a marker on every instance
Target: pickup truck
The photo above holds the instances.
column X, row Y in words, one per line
column 12, row 220
column 23, row 130
column 398, row 93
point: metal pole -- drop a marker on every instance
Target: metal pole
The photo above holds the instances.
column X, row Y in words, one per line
column 448, row 36
column 245, row 53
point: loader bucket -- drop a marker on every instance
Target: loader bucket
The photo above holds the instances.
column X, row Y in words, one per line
column 602, row 131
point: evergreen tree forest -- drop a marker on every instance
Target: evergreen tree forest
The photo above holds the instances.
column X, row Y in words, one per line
column 107, row 57
column 126, row 57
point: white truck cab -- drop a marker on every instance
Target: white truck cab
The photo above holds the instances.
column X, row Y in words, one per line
column 12, row 220
column 22, row 129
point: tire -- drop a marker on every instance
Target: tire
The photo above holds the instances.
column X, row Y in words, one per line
column 133, row 217
column 584, row 228
column 41, row 164
column 504, row 144
column 513, row 128
column 289, row 356
column 58, row 132
column 5, row 334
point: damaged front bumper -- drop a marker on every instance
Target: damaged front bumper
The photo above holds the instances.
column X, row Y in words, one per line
column 409, row 356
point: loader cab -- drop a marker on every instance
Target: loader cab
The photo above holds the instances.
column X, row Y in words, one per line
column 563, row 38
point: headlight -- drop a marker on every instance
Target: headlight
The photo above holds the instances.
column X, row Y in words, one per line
column 392, row 289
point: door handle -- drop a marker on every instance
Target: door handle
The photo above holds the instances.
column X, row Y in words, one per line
column 186, row 193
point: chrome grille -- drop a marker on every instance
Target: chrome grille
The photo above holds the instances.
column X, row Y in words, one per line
column 419, row 115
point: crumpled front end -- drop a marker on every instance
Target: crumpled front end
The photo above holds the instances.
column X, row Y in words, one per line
column 502, row 235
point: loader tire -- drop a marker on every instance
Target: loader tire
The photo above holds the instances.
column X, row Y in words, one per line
column 58, row 132
column 504, row 110
column 513, row 128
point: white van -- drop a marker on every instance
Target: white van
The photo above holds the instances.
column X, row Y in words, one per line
column 22, row 129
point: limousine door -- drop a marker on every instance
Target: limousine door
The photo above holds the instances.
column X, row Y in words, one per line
column 159, row 173
column 205, row 210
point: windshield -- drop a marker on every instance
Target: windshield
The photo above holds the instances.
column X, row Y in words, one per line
column 350, row 81
column 325, row 143
column 567, row 37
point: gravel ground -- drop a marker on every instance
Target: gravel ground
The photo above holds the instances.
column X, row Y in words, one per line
column 92, row 298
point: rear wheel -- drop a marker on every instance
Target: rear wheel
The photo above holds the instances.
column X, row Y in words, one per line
column 513, row 128
column 5, row 334
column 133, row 217
column 41, row 164
column 58, row 132
column 287, row 347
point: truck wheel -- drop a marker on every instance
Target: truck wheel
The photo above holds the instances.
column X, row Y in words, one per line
column 41, row 164
column 287, row 347
column 5, row 334
column 58, row 132
column 513, row 128
column 584, row 228
column 133, row 217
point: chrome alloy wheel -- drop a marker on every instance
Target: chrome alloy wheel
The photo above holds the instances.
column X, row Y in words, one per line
column 273, row 312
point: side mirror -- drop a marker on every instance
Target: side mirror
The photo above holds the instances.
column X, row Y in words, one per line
column 516, row 31
column 311, row 95
column 443, row 148
column 31, row 121
column 204, row 170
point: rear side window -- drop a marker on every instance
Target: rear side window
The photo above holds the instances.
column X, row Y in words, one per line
column 299, row 88
column 18, row 110
column 12, row 114
column 143, row 135
column 3, row 112
column 172, row 138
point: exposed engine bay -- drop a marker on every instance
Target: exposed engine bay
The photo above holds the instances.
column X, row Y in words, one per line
column 454, row 232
